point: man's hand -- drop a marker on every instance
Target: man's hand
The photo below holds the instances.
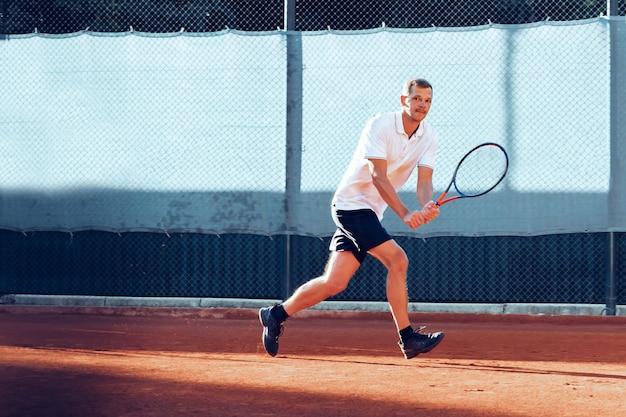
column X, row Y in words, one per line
column 430, row 211
column 414, row 219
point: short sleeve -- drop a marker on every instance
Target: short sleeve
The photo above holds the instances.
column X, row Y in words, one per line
column 429, row 156
column 374, row 139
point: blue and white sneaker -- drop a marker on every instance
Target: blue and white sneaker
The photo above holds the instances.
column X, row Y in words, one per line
column 420, row 343
column 272, row 329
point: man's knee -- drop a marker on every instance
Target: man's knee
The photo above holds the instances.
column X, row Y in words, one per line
column 399, row 263
column 335, row 285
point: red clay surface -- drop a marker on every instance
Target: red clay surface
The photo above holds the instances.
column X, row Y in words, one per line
column 208, row 362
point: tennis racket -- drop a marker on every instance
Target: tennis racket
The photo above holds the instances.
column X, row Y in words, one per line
column 478, row 172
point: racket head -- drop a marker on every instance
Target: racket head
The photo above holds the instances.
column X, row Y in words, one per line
column 478, row 172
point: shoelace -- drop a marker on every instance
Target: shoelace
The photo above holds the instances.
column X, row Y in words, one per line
column 421, row 335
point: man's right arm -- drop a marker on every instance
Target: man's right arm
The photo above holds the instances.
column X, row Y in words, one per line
column 378, row 170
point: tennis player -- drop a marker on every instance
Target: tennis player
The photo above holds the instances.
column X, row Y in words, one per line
column 390, row 147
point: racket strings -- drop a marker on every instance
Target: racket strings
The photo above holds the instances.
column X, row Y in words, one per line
column 480, row 171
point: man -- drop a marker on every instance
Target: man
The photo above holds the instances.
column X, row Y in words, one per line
column 390, row 147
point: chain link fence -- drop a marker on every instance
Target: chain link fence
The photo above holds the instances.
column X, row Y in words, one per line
column 541, row 269
column 164, row 156
column 156, row 16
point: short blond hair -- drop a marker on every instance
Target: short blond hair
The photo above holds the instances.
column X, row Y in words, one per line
column 415, row 82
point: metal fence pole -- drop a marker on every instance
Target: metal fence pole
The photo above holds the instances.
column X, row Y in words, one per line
column 617, row 30
column 4, row 33
column 611, row 304
column 293, row 133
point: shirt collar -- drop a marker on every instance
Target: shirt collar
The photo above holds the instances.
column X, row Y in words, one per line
column 400, row 126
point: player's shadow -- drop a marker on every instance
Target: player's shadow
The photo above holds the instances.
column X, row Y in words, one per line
column 521, row 370
column 468, row 367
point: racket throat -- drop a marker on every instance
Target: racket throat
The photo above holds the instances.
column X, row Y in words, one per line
column 440, row 199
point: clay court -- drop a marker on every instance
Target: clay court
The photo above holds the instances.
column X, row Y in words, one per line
column 210, row 362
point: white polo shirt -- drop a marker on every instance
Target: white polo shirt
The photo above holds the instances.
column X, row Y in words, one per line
column 384, row 138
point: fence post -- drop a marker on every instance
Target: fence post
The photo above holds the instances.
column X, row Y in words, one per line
column 611, row 305
column 617, row 199
column 4, row 9
column 293, row 149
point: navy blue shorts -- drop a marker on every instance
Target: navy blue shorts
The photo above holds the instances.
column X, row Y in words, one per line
column 357, row 231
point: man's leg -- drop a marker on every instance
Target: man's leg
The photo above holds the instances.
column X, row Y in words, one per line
column 392, row 256
column 339, row 270
column 411, row 343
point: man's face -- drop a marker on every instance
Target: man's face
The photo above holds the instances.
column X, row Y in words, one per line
column 417, row 104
